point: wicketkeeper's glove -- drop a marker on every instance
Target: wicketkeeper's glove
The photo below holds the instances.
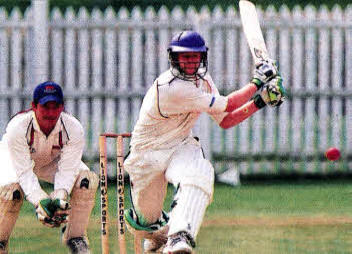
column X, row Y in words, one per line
column 52, row 212
column 264, row 72
column 273, row 93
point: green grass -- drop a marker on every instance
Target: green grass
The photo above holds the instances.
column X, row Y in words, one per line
column 295, row 199
column 303, row 217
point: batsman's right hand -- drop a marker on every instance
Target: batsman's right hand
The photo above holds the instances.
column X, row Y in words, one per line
column 52, row 213
column 273, row 93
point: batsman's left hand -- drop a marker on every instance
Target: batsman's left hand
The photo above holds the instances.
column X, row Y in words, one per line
column 265, row 71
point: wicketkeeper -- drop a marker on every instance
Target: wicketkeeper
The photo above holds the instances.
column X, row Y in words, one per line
column 164, row 150
column 46, row 143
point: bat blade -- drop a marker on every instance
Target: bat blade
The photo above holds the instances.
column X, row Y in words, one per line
column 252, row 31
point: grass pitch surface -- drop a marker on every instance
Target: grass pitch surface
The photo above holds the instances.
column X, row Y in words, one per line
column 302, row 217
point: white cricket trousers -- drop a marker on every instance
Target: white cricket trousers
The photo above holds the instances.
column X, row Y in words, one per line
column 186, row 168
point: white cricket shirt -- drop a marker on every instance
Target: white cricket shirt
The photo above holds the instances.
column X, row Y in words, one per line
column 171, row 108
column 27, row 154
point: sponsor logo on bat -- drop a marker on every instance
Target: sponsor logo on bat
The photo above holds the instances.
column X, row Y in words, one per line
column 258, row 53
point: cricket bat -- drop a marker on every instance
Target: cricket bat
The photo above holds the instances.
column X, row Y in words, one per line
column 252, row 31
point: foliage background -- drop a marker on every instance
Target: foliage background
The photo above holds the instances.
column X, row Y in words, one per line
column 117, row 4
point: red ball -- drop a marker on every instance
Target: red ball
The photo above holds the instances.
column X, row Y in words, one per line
column 332, row 154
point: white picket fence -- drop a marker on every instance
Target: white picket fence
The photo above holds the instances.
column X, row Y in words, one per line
column 106, row 60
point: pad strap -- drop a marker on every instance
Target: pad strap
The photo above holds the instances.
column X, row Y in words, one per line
column 131, row 219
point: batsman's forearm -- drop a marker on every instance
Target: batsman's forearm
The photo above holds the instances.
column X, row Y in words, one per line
column 238, row 98
column 239, row 115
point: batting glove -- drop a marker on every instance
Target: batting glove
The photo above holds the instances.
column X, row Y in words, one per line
column 264, row 72
column 273, row 94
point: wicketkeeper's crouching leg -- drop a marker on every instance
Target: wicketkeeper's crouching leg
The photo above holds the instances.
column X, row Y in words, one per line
column 11, row 199
column 82, row 202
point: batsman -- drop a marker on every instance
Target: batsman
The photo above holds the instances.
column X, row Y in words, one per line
column 163, row 149
column 45, row 143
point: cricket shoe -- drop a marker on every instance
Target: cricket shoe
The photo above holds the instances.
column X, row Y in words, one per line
column 154, row 245
column 3, row 247
column 78, row 245
column 179, row 243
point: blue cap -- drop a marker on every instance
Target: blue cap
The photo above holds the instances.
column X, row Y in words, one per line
column 48, row 91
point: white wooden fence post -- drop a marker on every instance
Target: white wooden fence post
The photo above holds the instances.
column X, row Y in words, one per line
column 39, row 43
column 96, row 54
column 16, row 53
column 4, row 74
column 202, row 128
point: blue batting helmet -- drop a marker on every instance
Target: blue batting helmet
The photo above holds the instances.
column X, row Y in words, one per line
column 188, row 41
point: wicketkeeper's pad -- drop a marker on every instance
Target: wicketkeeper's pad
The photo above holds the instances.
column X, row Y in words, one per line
column 82, row 202
column 11, row 199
